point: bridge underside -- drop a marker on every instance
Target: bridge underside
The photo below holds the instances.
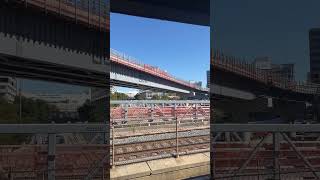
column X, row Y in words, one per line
column 232, row 80
column 184, row 11
column 44, row 46
column 255, row 110
column 123, row 76
column 286, row 105
column 130, row 82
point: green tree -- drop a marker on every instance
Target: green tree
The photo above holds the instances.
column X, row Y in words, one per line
column 119, row 96
column 94, row 112
column 33, row 111
column 156, row 97
column 8, row 112
column 165, row 97
column 138, row 96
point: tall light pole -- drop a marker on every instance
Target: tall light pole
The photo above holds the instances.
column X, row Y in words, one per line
column 20, row 101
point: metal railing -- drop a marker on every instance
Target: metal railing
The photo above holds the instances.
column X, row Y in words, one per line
column 259, row 151
column 158, row 110
column 54, row 159
column 93, row 13
column 176, row 126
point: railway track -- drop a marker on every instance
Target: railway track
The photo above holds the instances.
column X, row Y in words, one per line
column 136, row 152
column 121, row 135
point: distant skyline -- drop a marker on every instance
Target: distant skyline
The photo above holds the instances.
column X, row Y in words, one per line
column 183, row 50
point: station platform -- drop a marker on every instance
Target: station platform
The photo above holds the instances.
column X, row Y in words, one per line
column 184, row 167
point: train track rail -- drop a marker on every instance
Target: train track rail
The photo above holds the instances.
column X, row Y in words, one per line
column 137, row 152
column 118, row 135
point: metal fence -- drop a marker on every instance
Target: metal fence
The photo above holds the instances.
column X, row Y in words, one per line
column 266, row 151
column 153, row 111
column 55, row 151
column 147, row 130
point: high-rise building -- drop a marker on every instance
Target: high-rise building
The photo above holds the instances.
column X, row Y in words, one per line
column 208, row 79
column 314, row 45
column 196, row 83
column 263, row 63
column 287, row 71
column 8, row 88
column 283, row 71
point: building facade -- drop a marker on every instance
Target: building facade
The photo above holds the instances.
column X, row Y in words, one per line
column 208, row 79
column 277, row 71
column 196, row 83
column 314, row 45
column 8, row 88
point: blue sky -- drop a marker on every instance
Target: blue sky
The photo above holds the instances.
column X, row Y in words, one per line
column 181, row 49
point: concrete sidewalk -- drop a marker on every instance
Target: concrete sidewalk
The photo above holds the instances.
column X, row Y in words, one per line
column 184, row 167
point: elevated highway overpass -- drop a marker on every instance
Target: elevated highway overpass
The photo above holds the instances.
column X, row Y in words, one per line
column 237, row 74
column 258, row 95
column 55, row 40
column 127, row 72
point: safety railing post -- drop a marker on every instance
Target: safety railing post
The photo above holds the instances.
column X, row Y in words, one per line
column 103, row 173
column 113, row 149
column 276, row 151
column 151, row 112
column 51, row 156
column 196, row 111
column 126, row 112
column 177, row 138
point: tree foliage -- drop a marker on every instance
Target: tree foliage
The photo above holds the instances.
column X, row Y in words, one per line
column 94, row 112
column 119, row 96
column 33, row 111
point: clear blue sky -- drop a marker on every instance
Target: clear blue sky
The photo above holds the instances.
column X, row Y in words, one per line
column 181, row 49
